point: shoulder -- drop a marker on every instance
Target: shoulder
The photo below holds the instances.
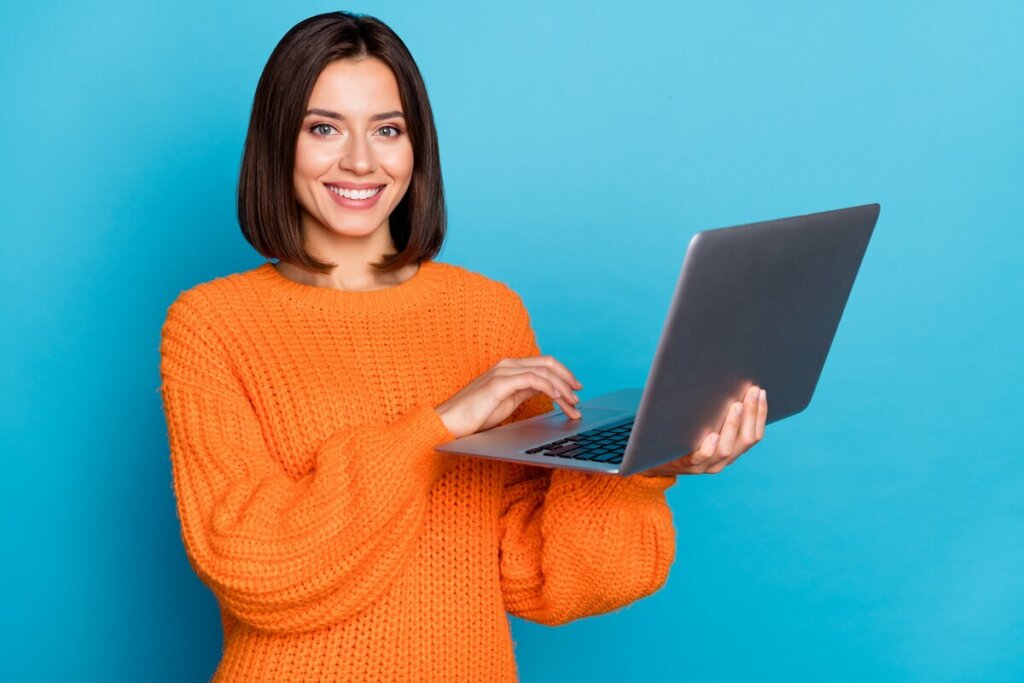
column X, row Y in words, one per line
column 205, row 303
column 492, row 312
column 473, row 287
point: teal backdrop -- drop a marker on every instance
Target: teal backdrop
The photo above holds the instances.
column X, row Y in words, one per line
column 877, row 536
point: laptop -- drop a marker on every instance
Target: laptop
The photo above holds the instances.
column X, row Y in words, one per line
column 754, row 304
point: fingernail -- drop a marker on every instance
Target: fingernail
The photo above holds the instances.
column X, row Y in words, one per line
column 764, row 395
column 737, row 408
column 713, row 439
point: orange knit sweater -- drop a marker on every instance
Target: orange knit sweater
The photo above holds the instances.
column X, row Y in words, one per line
column 339, row 544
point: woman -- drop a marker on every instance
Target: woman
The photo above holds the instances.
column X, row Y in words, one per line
column 304, row 400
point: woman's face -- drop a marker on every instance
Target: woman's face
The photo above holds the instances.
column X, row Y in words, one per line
column 352, row 140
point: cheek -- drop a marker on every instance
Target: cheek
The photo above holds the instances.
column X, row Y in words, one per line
column 311, row 160
column 398, row 162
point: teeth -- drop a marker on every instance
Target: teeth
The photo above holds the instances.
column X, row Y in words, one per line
column 354, row 194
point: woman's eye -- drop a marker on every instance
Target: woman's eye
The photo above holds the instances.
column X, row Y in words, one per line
column 322, row 129
column 393, row 135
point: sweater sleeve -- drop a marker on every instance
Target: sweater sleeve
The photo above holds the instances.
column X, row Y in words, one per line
column 576, row 544
column 285, row 554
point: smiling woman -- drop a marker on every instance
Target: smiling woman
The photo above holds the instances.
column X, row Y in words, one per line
column 359, row 103
column 305, row 400
column 353, row 163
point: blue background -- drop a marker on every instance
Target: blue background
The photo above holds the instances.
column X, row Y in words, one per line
column 879, row 535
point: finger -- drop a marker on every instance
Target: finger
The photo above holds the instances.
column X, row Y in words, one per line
column 696, row 461
column 561, row 392
column 554, row 364
column 762, row 414
column 745, row 437
column 748, row 427
column 508, row 384
column 703, row 456
column 715, row 463
column 717, row 467
column 729, row 433
column 550, row 375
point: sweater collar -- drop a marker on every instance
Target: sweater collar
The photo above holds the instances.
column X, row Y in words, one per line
column 413, row 291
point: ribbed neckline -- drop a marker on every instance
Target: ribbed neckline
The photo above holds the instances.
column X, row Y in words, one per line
column 400, row 296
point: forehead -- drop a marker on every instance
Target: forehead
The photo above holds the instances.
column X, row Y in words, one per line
column 356, row 87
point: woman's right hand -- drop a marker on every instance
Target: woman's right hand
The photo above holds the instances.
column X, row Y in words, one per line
column 491, row 397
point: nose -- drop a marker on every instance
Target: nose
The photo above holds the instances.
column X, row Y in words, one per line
column 357, row 156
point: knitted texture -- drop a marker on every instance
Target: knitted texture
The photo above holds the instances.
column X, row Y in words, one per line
column 338, row 543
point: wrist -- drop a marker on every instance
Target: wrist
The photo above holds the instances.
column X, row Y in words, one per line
column 448, row 420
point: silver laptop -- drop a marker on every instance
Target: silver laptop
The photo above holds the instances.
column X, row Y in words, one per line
column 754, row 304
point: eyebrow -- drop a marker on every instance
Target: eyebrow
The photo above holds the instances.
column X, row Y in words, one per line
column 339, row 117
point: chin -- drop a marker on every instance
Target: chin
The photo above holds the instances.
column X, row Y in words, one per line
column 349, row 230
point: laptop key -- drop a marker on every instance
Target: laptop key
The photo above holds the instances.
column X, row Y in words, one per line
column 597, row 444
column 609, row 457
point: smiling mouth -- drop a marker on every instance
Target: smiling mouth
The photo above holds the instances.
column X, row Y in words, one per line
column 355, row 194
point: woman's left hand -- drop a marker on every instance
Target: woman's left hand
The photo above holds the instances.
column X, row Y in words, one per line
column 743, row 427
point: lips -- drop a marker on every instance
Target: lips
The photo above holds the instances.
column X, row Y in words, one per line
column 358, row 194
column 362, row 199
column 355, row 186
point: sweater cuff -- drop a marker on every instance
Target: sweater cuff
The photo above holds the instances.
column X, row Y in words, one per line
column 443, row 462
column 600, row 486
column 658, row 483
column 416, row 433
column 441, row 432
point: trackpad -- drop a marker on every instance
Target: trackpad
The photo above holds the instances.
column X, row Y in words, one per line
column 591, row 417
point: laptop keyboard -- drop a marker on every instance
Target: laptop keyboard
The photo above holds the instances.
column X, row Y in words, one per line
column 606, row 443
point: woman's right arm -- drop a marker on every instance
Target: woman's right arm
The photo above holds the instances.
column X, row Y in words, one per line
column 285, row 554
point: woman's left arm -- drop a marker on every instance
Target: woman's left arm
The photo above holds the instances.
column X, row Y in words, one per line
column 576, row 544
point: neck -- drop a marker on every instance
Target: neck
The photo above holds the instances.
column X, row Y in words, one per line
column 353, row 256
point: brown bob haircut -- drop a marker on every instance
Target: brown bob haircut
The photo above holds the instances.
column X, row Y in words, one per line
column 268, row 211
